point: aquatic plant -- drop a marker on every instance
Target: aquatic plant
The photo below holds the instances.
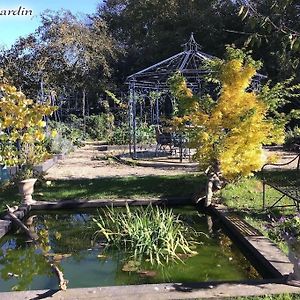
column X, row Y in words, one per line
column 152, row 233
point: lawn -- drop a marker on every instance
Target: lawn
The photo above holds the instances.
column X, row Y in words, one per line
column 148, row 187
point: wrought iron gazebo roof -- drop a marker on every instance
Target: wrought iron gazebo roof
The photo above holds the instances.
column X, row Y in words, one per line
column 190, row 62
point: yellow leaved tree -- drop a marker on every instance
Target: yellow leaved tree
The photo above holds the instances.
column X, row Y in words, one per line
column 22, row 129
column 228, row 133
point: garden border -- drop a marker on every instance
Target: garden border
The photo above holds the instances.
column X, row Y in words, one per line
column 246, row 235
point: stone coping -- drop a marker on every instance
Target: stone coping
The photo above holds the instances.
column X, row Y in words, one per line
column 264, row 255
column 204, row 290
column 260, row 250
column 77, row 204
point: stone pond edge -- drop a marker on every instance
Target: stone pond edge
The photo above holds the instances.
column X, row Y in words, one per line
column 256, row 246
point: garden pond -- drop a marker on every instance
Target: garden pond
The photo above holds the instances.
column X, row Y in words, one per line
column 68, row 239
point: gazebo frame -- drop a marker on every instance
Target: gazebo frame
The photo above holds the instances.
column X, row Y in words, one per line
column 190, row 63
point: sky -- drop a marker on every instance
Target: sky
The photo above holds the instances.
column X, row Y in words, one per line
column 12, row 27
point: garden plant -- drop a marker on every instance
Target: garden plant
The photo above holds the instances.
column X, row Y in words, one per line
column 152, row 233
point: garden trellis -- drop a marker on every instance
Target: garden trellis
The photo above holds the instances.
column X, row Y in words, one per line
column 149, row 93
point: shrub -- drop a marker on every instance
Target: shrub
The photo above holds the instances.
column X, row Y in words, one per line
column 292, row 137
column 151, row 233
column 145, row 134
column 60, row 145
column 68, row 135
column 120, row 135
column 100, row 127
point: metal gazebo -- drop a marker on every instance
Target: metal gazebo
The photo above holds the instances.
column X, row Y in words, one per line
column 190, row 63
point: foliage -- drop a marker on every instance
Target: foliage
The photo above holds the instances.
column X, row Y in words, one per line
column 69, row 56
column 145, row 133
column 287, row 227
column 120, row 135
column 22, row 128
column 151, row 233
column 271, row 29
column 292, row 137
column 100, row 127
column 273, row 16
column 60, row 145
column 157, row 21
column 68, row 134
column 237, row 119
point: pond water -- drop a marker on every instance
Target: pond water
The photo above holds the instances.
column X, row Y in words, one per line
column 68, row 239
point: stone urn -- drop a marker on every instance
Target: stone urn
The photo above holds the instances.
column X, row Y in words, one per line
column 26, row 190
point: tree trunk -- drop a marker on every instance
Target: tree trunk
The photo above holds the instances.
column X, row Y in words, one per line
column 213, row 182
column 83, row 109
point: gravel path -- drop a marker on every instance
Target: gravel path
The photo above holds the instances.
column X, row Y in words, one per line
column 89, row 162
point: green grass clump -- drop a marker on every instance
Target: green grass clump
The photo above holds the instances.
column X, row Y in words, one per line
column 152, row 233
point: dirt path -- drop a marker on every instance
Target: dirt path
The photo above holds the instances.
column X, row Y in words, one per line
column 89, row 162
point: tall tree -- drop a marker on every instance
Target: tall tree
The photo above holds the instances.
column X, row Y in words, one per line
column 272, row 29
column 150, row 31
column 65, row 54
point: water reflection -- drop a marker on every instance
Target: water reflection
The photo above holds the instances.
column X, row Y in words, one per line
column 68, row 240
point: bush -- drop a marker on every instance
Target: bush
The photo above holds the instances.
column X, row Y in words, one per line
column 68, row 136
column 120, row 135
column 100, row 127
column 292, row 137
column 60, row 145
column 145, row 134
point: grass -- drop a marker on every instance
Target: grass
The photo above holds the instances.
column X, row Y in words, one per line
column 147, row 187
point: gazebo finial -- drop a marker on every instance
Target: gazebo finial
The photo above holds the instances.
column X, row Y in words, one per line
column 191, row 44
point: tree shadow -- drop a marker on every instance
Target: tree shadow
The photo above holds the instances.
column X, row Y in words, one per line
column 124, row 187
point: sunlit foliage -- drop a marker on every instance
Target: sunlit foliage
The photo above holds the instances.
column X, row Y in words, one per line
column 21, row 127
column 230, row 131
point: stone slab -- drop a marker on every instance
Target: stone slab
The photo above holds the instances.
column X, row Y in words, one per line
column 77, row 204
column 261, row 251
column 206, row 290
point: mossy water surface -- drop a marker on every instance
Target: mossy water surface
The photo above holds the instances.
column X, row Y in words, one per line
column 67, row 239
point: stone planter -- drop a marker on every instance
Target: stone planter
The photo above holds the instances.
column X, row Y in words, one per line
column 26, row 190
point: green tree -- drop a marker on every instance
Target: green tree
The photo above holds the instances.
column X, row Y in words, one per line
column 272, row 29
column 150, row 31
column 68, row 55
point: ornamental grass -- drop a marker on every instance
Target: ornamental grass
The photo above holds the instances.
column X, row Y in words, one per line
column 152, row 233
